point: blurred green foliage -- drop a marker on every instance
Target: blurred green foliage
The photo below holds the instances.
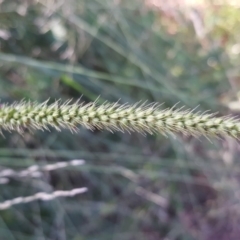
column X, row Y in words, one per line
column 116, row 50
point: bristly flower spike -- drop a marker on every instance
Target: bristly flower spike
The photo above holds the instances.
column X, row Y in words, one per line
column 141, row 117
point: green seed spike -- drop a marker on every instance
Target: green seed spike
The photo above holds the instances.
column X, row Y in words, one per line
column 143, row 118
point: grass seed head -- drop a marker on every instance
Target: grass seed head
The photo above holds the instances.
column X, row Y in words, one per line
column 142, row 118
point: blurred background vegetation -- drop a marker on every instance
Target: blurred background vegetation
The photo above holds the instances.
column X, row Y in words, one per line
column 140, row 187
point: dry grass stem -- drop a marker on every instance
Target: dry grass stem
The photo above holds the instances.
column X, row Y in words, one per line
column 41, row 196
